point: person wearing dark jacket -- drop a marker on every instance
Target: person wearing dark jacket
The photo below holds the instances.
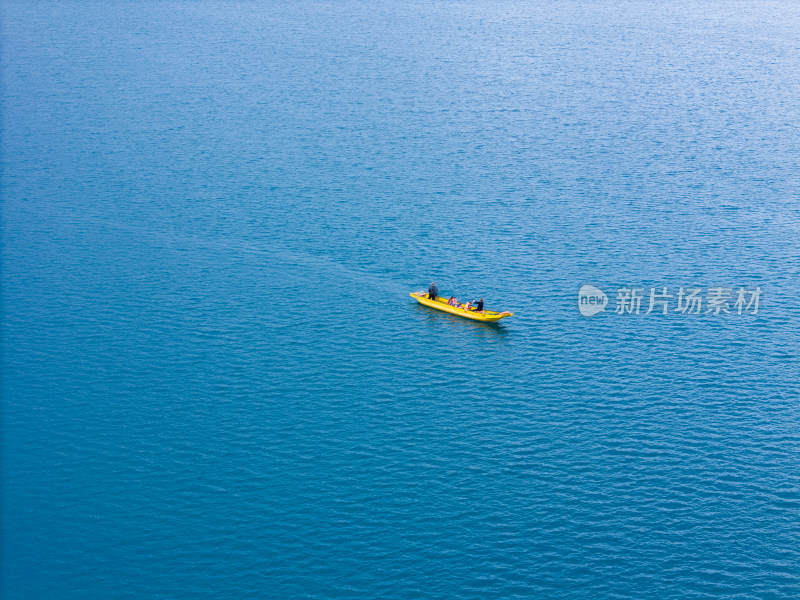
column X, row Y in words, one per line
column 478, row 305
column 433, row 291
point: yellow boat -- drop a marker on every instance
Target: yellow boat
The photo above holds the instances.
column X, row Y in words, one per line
column 487, row 316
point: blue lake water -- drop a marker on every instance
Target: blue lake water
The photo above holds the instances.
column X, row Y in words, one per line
column 215, row 384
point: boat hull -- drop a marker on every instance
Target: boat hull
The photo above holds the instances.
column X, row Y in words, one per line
column 486, row 316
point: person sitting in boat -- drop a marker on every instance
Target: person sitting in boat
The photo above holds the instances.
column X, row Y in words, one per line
column 478, row 306
column 467, row 306
column 433, row 291
column 452, row 301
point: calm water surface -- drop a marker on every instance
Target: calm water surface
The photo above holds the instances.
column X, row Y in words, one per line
column 215, row 385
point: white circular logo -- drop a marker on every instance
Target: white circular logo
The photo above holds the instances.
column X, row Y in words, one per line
column 591, row 300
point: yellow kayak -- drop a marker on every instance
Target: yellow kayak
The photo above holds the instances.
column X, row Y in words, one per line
column 440, row 303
